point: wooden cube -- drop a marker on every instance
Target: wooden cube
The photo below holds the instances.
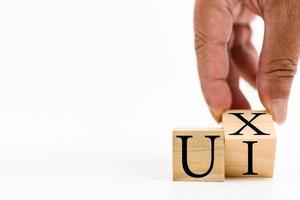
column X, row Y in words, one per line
column 198, row 155
column 250, row 143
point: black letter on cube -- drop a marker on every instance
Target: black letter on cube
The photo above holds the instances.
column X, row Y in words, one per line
column 185, row 158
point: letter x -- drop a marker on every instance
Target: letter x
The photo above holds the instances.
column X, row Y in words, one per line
column 248, row 123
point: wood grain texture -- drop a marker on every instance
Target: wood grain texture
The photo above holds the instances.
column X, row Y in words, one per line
column 199, row 154
column 236, row 151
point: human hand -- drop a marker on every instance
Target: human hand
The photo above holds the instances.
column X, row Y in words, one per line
column 225, row 53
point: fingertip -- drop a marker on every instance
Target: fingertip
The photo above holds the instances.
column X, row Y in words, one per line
column 276, row 106
column 218, row 97
column 217, row 115
column 279, row 110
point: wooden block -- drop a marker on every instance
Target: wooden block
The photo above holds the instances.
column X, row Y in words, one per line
column 193, row 158
column 250, row 143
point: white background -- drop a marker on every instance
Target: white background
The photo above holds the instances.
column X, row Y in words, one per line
column 90, row 91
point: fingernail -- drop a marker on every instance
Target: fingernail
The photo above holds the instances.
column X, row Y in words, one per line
column 217, row 115
column 279, row 110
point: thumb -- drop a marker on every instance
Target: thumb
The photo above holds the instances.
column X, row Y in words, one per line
column 279, row 56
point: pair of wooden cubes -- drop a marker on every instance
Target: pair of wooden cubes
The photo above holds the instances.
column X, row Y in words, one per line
column 245, row 147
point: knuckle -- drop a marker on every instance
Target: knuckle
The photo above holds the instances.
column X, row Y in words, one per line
column 282, row 69
column 204, row 41
column 200, row 41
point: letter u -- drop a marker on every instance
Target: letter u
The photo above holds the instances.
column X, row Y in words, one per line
column 185, row 166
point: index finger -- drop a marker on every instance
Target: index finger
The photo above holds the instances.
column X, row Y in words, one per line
column 213, row 22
